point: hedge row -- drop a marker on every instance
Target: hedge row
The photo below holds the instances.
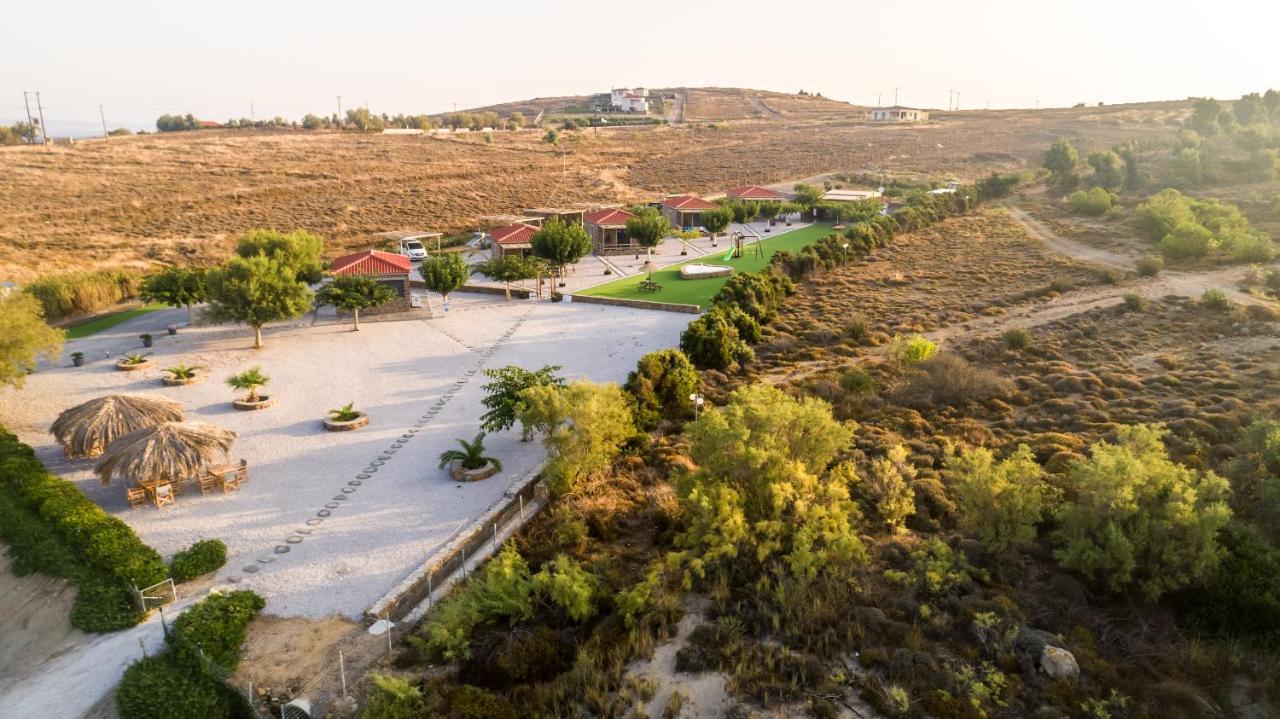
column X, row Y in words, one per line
column 180, row 682
column 52, row 528
column 77, row 293
column 200, row 558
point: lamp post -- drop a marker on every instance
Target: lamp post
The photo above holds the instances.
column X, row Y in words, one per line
column 697, row 400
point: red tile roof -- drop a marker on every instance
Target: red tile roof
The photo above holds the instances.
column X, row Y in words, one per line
column 609, row 217
column 688, row 202
column 517, row 234
column 371, row 262
column 755, row 192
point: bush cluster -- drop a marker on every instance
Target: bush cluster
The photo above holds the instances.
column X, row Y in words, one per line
column 200, row 558
column 1094, row 202
column 78, row 293
column 52, row 528
column 1188, row 228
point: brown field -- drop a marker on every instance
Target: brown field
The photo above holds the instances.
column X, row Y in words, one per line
column 150, row 199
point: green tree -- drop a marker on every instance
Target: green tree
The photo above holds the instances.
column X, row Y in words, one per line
column 508, row 269
column 569, row 587
column 648, row 228
column 1206, row 116
column 888, row 488
column 1136, row 519
column 712, row 341
column 715, row 221
column 176, row 287
column 1061, row 160
column 502, row 395
column 24, row 337
column 1187, row 241
column 298, row 250
column 354, row 293
column 661, row 385
column 515, row 121
column 586, row 425
column 391, row 697
column 1001, row 502
column 1249, row 109
column 444, row 273
column 254, row 291
column 807, row 196
column 561, row 243
column 762, row 490
column 1163, row 211
column 1108, row 170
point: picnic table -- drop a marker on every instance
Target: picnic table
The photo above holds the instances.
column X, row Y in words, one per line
column 650, row 286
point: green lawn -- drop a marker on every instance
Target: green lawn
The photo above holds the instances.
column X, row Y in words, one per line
column 106, row 322
column 699, row 292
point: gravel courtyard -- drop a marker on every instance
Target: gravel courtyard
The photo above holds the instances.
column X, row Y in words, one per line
column 365, row 533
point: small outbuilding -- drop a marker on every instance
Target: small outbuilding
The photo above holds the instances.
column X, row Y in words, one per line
column 608, row 230
column 566, row 215
column 387, row 268
column 514, row 239
column 898, row 113
column 685, row 211
column 755, row 193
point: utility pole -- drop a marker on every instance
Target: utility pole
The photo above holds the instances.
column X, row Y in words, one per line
column 103, row 114
column 30, row 123
column 339, row 108
column 895, row 96
column 949, row 98
column 252, row 118
column 957, row 99
column 44, row 129
column 879, row 97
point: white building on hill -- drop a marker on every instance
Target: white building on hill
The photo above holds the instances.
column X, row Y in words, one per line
column 629, row 99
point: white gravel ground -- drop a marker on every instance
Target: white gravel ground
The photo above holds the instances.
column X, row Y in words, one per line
column 396, row 370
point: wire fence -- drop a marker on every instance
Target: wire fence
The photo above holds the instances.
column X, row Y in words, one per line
column 337, row 684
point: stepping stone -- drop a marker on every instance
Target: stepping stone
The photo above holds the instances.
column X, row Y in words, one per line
column 406, row 436
column 348, row 490
column 355, row 483
column 252, row 569
column 363, row 476
column 303, row 531
column 384, row 457
column 370, row 470
column 377, row 463
column 282, row 549
column 339, row 497
column 295, row 539
column 389, row 451
column 323, row 513
column 266, row 560
column 314, row 521
column 413, row 432
column 331, row 505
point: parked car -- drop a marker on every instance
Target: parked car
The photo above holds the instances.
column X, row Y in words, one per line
column 413, row 249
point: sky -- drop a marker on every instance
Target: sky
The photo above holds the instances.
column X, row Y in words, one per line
column 141, row 59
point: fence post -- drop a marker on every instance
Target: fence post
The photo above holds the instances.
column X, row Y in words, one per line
column 342, row 670
column 429, row 602
column 521, row 498
column 495, row 537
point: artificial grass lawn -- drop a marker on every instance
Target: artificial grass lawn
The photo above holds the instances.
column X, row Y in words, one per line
column 106, row 322
column 677, row 290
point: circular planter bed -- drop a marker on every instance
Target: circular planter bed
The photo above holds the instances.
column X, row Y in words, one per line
column 334, row 425
column 178, row 382
column 699, row 271
column 462, row 474
column 246, row 405
column 126, row 367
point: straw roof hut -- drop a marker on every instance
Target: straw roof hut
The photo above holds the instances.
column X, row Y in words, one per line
column 87, row 429
column 171, row 451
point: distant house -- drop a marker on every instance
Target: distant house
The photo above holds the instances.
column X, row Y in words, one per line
column 755, row 192
column 898, row 113
column 836, row 197
column 629, row 99
column 685, row 211
column 514, row 239
column 209, row 124
column 608, row 230
column 387, row 268
column 565, row 215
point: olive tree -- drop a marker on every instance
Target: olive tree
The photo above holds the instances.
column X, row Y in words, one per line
column 561, row 244
column 444, row 274
column 715, row 221
column 254, row 291
column 354, row 293
column 508, row 269
column 298, row 250
column 502, row 395
column 176, row 287
column 661, row 385
column 24, row 337
column 1061, row 160
column 648, row 228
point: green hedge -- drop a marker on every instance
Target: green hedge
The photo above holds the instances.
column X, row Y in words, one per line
column 217, row 625
column 200, row 558
column 78, row 293
column 52, row 528
column 159, row 687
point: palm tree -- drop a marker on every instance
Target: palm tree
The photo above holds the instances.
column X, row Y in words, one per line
column 181, row 371
column 471, row 456
column 249, row 381
column 345, row 413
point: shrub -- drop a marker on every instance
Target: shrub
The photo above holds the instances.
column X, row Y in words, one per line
column 1017, row 339
column 1242, row 598
column 502, row 394
column 1163, row 212
column 712, row 342
column 392, row 698
column 217, row 625
column 1187, row 241
column 912, row 349
column 1248, row 246
column 1149, row 265
column 501, row 589
column 949, row 380
column 1135, row 302
column 661, row 385
column 857, row 381
column 160, row 688
column 79, row 293
column 1138, row 520
column 52, row 528
column 200, row 558
column 1001, row 502
column 758, row 294
column 1094, row 202
column 468, row 702
column 1216, row 300
column 569, row 587
column 888, row 488
column 586, row 425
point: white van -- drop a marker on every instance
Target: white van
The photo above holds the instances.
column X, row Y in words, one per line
column 412, row 248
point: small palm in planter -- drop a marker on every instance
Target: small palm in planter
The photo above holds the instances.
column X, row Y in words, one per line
column 133, row 362
column 345, row 418
column 77, row 359
column 181, row 374
column 249, row 381
column 469, row 463
column 147, row 339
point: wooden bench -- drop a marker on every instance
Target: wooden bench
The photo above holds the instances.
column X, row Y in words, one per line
column 650, row 286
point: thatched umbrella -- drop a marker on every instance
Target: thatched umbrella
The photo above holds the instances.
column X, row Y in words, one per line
column 171, row 451
column 87, row 429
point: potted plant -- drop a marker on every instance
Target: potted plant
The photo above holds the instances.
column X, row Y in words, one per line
column 345, row 419
column 249, row 381
column 608, row 271
column 133, row 362
column 146, row 338
column 181, row 374
column 173, row 329
column 556, row 295
column 77, row 359
column 469, row 463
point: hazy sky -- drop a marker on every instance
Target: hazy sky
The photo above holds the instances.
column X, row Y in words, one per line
column 141, row 59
